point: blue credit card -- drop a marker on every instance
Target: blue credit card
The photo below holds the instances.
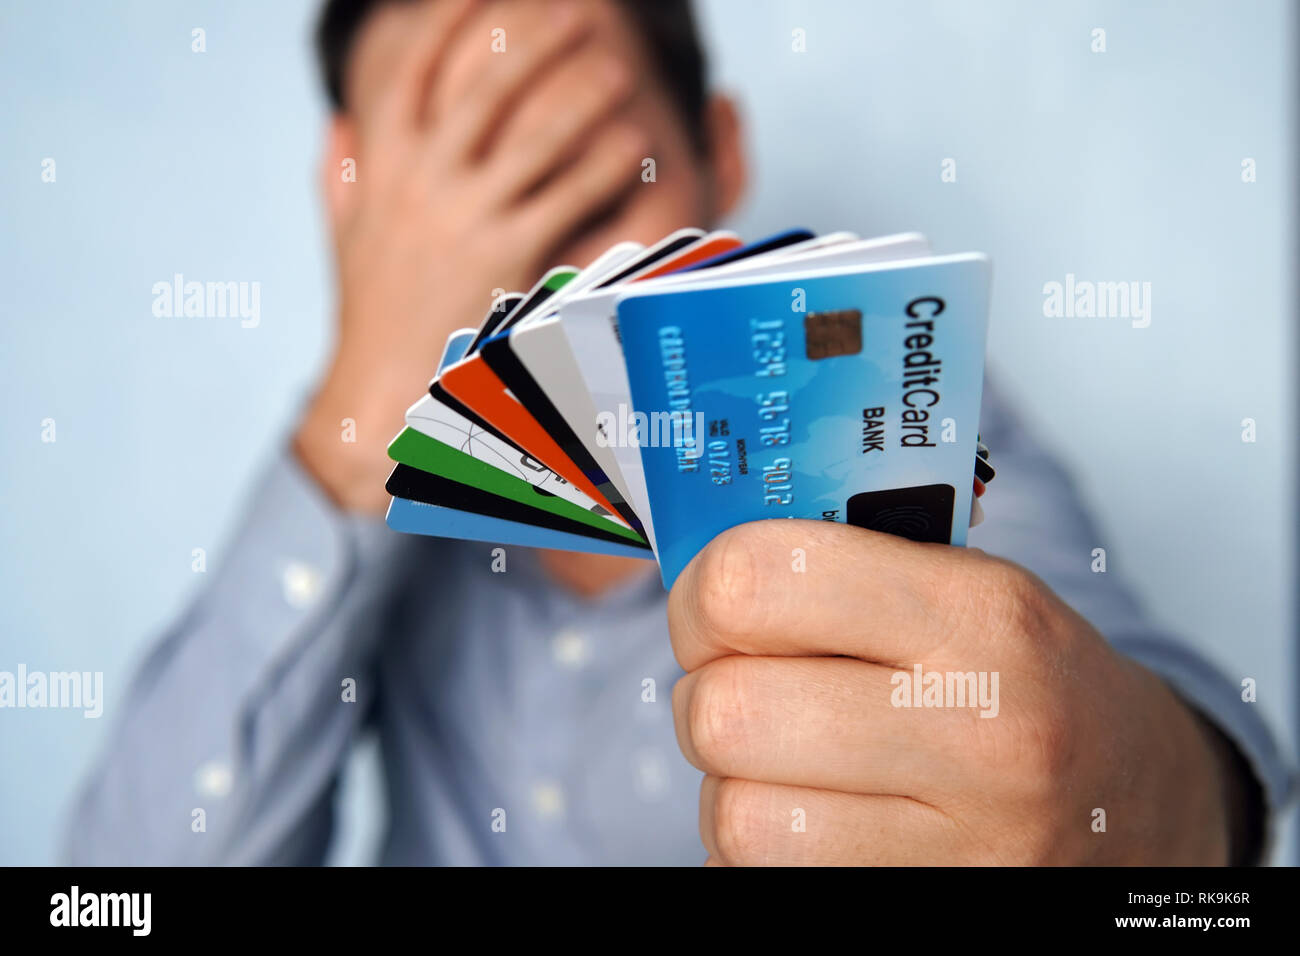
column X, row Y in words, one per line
column 417, row 517
column 427, row 518
column 850, row 395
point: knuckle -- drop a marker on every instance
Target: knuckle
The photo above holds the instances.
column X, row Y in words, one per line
column 1053, row 743
column 1014, row 601
column 738, row 824
column 1043, row 754
column 728, row 588
column 716, row 715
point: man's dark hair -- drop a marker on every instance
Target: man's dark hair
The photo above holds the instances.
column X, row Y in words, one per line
column 666, row 27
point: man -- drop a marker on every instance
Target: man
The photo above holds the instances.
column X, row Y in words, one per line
column 525, row 716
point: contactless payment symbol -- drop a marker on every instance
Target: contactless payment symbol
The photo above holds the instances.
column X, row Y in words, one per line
column 919, row 513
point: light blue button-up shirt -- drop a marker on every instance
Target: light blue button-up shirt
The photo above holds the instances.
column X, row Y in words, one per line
column 520, row 724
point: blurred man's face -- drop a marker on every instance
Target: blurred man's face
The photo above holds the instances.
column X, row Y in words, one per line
column 688, row 188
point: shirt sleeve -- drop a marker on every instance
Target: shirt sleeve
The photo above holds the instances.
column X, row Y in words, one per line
column 1035, row 518
column 229, row 742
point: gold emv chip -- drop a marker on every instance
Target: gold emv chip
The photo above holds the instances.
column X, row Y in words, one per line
column 827, row 334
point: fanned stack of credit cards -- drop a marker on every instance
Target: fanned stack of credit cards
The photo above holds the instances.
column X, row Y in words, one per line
column 644, row 404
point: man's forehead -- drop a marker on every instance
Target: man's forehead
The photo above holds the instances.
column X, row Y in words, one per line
column 393, row 26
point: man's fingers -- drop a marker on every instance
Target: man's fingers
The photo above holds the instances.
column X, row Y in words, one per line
column 465, row 129
column 743, row 823
column 605, row 170
column 820, row 722
column 402, row 102
column 821, row 588
column 555, row 122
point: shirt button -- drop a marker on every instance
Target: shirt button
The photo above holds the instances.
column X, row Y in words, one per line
column 213, row 779
column 569, row 648
column 301, row 583
column 548, row 800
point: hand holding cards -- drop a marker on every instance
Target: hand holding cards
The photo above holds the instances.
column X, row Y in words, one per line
column 644, row 404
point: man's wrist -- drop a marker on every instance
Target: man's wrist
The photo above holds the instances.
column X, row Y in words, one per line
column 341, row 442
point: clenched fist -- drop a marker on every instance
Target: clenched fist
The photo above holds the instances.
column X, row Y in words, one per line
column 878, row 701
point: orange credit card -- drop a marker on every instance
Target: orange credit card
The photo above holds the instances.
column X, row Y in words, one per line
column 473, row 383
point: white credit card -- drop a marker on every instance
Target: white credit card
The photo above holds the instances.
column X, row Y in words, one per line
column 590, row 348
column 436, row 420
column 433, row 418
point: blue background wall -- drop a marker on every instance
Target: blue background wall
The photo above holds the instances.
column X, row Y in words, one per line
column 1123, row 165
